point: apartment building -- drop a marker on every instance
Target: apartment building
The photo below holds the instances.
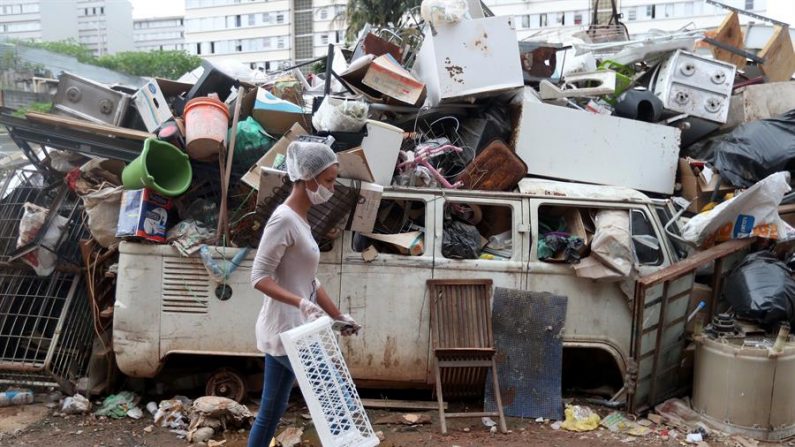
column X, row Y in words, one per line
column 640, row 16
column 159, row 33
column 266, row 34
column 104, row 26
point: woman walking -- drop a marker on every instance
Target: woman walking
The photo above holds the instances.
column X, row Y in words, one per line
column 285, row 269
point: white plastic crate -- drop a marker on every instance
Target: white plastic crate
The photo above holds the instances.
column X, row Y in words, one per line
column 329, row 392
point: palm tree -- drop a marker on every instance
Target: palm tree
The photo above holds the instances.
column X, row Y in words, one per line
column 379, row 13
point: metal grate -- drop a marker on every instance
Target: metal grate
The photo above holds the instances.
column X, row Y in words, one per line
column 45, row 328
column 327, row 386
column 185, row 286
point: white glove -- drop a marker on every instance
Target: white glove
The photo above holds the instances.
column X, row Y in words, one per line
column 351, row 326
column 310, row 310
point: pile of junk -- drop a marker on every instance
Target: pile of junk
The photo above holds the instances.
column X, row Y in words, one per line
column 447, row 99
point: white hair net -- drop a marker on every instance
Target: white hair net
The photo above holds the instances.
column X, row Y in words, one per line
column 306, row 160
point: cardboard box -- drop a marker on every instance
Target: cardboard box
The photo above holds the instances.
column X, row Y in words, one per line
column 472, row 58
column 276, row 115
column 411, row 243
column 698, row 187
column 152, row 106
column 272, row 183
column 386, row 76
column 363, row 217
column 144, row 214
column 252, row 177
column 353, row 165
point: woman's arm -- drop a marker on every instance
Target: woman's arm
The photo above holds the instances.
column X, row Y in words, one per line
column 325, row 303
column 269, row 287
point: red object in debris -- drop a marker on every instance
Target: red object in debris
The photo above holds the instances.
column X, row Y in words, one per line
column 71, row 178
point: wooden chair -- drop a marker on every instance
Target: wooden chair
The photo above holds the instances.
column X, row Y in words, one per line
column 463, row 342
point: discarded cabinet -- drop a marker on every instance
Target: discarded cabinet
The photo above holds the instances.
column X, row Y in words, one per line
column 82, row 98
column 469, row 59
column 562, row 143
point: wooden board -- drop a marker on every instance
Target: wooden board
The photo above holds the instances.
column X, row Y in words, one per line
column 730, row 33
column 87, row 126
column 402, row 404
column 779, row 56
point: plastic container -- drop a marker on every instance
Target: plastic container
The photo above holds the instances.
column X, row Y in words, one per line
column 161, row 167
column 16, row 397
column 206, row 127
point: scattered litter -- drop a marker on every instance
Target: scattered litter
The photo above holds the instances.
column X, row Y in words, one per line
column 290, row 437
column 618, row 423
column 119, row 405
column 580, row 418
column 694, row 438
column 15, row 397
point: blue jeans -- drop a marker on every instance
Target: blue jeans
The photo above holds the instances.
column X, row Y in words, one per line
column 279, row 379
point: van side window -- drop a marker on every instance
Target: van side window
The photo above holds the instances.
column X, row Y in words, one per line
column 562, row 234
column 477, row 231
column 399, row 229
column 644, row 240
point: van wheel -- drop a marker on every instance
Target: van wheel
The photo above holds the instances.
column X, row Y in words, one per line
column 226, row 382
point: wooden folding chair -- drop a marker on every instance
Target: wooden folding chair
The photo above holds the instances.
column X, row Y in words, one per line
column 463, row 342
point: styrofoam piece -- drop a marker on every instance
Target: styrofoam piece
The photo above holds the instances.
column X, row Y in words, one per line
column 472, row 58
column 687, row 83
column 563, row 143
column 327, row 386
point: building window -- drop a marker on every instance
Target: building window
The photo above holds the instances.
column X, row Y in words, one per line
column 651, row 11
column 578, row 18
column 324, row 13
column 280, row 18
column 526, row 21
column 198, row 48
column 102, row 10
column 669, row 10
column 324, row 39
column 85, row 11
column 632, row 14
column 266, row 42
column 251, row 19
column 542, row 20
column 749, row 5
column 212, row 47
column 280, row 42
column 238, row 22
column 238, row 46
column 93, row 11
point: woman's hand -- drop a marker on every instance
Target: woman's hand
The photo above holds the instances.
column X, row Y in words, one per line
column 310, row 310
column 351, row 326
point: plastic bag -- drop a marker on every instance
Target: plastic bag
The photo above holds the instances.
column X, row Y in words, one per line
column 41, row 259
column 102, row 208
column 76, row 404
column 251, row 143
column 118, row 406
column 761, row 288
column 460, row 241
column 340, row 115
column 580, row 418
column 220, row 270
column 752, row 213
column 444, row 11
column 189, row 235
column 753, row 150
column 612, row 242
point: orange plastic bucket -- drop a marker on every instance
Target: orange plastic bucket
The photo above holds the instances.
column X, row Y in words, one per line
column 206, row 127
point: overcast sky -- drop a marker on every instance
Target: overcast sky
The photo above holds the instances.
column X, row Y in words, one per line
column 157, row 8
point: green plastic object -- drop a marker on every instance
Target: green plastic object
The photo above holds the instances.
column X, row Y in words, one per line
column 251, row 143
column 624, row 75
column 116, row 406
column 161, row 167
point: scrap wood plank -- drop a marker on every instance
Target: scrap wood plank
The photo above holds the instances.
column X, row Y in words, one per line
column 779, row 56
column 402, row 404
column 87, row 126
column 701, row 258
column 730, row 33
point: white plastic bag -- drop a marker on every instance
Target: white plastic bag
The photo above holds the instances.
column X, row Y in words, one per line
column 340, row 115
column 611, row 256
column 438, row 12
column 41, row 259
column 102, row 207
column 752, row 213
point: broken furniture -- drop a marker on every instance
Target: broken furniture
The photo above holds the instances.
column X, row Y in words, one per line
column 462, row 336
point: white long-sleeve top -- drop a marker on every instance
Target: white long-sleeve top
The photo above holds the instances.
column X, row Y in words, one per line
column 289, row 255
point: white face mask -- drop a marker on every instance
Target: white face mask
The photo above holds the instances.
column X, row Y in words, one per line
column 322, row 195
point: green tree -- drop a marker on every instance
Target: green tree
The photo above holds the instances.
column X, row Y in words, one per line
column 162, row 64
column 379, row 13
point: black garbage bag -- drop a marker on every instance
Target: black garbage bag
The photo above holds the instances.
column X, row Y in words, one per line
column 761, row 288
column 460, row 241
column 753, row 150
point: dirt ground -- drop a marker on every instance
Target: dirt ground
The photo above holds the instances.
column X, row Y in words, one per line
column 38, row 425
